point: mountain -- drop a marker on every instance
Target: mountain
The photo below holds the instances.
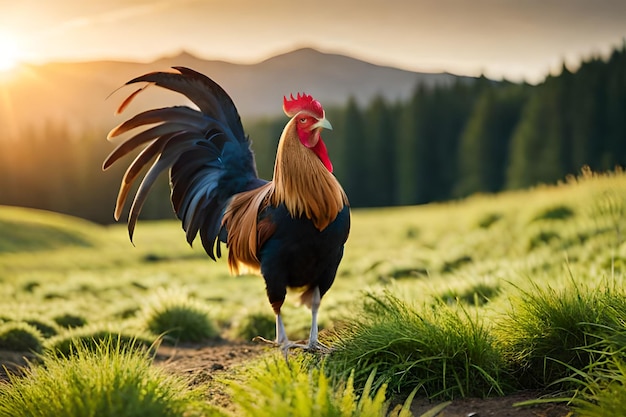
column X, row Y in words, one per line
column 76, row 93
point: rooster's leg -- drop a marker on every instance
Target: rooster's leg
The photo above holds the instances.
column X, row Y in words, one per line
column 314, row 343
column 281, row 341
column 281, row 335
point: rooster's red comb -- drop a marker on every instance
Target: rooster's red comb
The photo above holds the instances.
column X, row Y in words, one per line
column 302, row 102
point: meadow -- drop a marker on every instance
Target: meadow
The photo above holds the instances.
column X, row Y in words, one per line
column 481, row 297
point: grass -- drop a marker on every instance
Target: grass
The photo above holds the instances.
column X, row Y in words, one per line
column 113, row 380
column 456, row 299
column 603, row 389
column 47, row 328
column 20, row 337
column 34, row 231
column 179, row 318
column 600, row 387
column 476, row 294
column 273, row 387
column 443, row 352
column 549, row 332
column 92, row 337
column 69, row 320
column 254, row 323
column 558, row 212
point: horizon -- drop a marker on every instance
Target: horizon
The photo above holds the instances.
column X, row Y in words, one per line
column 571, row 66
column 517, row 41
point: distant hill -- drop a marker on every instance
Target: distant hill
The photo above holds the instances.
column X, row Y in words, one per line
column 77, row 92
column 28, row 230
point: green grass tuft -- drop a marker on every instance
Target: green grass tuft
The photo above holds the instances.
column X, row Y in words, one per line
column 179, row 318
column 603, row 385
column 559, row 212
column 69, row 320
column 456, row 263
column 405, row 272
column 274, row 387
column 476, row 295
column 93, row 337
column 255, row 323
column 444, row 352
column 47, row 328
column 599, row 389
column 548, row 333
column 30, row 286
column 488, row 219
column 20, row 337
column 113, row 380
column 542, row 238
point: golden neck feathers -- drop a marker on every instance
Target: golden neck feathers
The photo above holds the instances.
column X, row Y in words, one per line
column 303, row 184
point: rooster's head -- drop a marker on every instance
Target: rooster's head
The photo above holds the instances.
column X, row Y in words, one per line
column 310, row 120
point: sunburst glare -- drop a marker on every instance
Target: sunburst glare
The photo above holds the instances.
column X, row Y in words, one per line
column 9, row 52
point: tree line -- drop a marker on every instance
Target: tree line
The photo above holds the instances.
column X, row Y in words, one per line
column 484, row 136
column 444, row 142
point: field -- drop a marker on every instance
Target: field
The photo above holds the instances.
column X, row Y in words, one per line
column 517, row 296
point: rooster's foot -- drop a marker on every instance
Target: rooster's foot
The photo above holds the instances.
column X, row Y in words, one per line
column 315, row 347
column 318, row 347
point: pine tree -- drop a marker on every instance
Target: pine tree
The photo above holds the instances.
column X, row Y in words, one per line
column 411, row 152
column 353, row 175
column 483, row 151
column 381, row 148
column 615, row 116
column 539, row 144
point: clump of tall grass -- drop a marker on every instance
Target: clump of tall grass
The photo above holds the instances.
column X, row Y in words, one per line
column 599, row 389
column 603, row 385
column 476, row 295
column 274, row 387
column 69, row 320
column 558, row 212
column 488, row 219
column 46, row 327
column 548, row 332
column 542, row 237
column 92, row 337
column 179, row 318
column 113, row 380
column 21, row 337
column 609, row 208
column 254, row 323
column 444, row 351
column 456, row 263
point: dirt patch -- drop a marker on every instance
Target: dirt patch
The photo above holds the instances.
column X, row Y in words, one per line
column 202, row 363
column 13, row 362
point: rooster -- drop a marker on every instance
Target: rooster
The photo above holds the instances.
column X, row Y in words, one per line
column 291, row 229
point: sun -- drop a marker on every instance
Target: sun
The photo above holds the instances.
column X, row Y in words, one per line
column 9, row 52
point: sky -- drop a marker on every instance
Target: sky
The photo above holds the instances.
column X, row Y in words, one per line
column 520, row 40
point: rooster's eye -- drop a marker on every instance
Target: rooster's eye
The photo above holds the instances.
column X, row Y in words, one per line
column 303, row 120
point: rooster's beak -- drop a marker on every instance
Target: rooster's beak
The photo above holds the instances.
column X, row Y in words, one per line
column 323, row 123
